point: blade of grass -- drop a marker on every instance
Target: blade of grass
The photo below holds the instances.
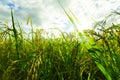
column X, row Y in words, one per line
column 32, row 31
column 106, row 74
column 15, row 33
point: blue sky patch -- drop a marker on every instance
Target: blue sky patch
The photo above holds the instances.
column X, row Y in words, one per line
column 3, row 1
column 11, row 5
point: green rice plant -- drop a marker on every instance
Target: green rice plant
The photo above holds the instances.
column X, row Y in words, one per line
column 88, row 55
column 107, row 57
column 83, row 40
column 32, row 31
column 15, row 35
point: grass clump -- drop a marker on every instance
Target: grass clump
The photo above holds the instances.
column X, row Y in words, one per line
column 91, row 55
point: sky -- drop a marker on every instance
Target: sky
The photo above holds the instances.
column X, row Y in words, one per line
column 48, row 13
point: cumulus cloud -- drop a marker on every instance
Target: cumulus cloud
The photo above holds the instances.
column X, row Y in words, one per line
column 48, row 13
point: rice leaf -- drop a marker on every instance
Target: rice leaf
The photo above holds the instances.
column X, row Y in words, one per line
column 103, row 70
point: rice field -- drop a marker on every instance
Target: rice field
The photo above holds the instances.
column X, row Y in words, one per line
column 89, row 55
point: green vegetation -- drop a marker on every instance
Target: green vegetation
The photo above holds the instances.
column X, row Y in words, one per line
column 91, row 55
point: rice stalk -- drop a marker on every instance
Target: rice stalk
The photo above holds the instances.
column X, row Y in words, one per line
column 15, row 35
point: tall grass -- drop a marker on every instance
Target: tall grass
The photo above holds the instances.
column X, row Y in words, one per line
column 91, row 55
column 15, row 34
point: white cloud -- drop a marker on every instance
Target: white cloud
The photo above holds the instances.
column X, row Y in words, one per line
column 87, row 9
column 4, row 15
column 48, row 14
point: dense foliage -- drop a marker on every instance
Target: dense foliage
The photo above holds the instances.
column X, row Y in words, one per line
column 89, row 55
